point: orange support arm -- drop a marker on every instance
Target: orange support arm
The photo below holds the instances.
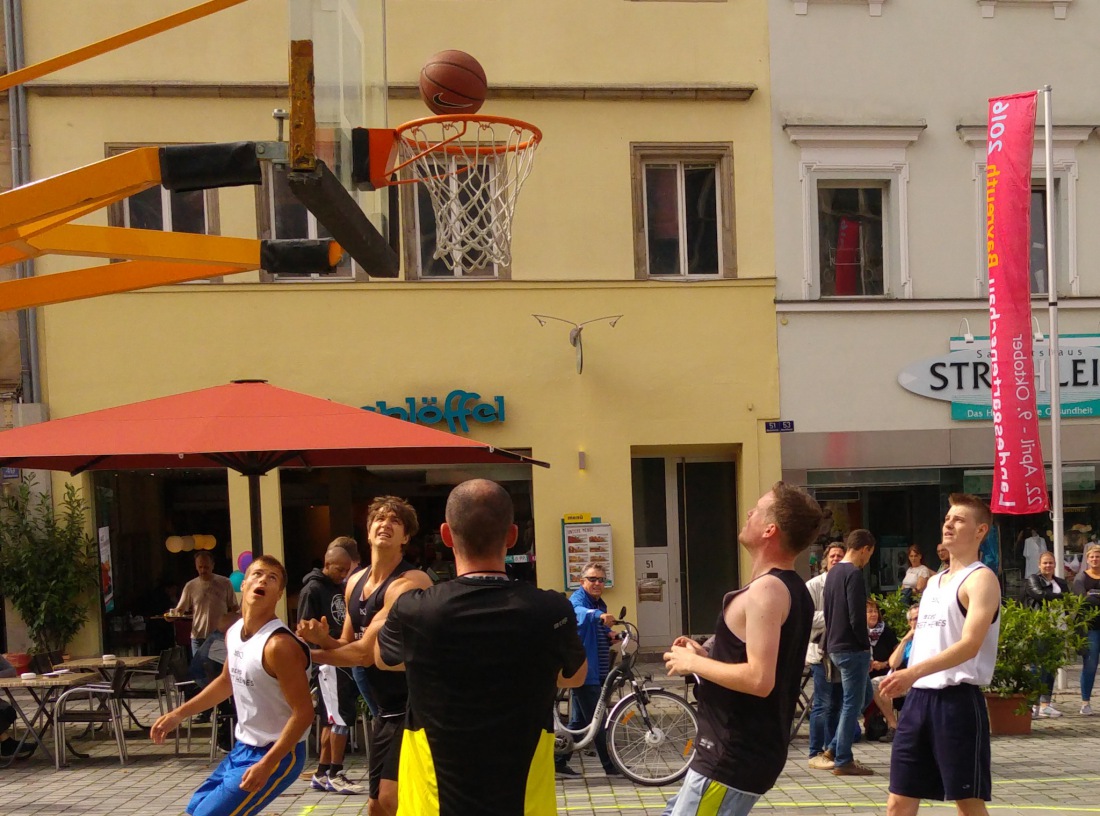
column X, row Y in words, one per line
column 107, row 279
column 41, row 205
column 40, row 69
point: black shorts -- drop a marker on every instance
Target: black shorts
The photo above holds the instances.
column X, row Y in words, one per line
column 385, row 750
column 941, row 749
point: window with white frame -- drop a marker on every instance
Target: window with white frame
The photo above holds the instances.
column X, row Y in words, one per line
column 854, row 182
column 280, row 215
column 424, row 224
column 683, row 211
column 1061, row 197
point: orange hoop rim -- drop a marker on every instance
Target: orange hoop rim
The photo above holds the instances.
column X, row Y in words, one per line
column 462, row 121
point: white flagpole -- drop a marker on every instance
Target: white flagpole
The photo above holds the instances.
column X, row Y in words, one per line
column 1055, row 383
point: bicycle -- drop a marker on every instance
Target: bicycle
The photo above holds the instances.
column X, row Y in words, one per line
column 650, row 731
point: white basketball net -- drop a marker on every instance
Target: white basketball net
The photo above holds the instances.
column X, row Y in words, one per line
column 473, row 169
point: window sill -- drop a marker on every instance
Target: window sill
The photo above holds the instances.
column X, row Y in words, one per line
column 989, row 7
column 874, row 7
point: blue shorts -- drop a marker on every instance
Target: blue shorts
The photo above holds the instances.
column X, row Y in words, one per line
column 700, row 796
column 221, row 794
column 941, row 748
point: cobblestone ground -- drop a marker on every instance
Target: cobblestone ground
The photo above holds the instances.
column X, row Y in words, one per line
column 1054, row 770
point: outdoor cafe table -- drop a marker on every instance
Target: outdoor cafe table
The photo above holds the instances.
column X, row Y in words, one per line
column 44, row 689
column 107, row 671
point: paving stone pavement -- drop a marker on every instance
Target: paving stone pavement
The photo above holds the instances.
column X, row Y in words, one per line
column 1054, row 770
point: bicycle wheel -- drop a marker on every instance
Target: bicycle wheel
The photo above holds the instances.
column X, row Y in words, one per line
column 651, row 737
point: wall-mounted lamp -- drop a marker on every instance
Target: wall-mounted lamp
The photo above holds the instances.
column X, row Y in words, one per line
column 967, row 336
column 1039, row 338
column 582, row 460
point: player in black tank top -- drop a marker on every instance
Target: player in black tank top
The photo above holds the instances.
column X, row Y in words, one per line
column 750, row 677
column 749, row 734
column 390, row 690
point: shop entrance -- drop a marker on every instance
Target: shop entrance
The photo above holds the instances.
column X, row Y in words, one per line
column 685, row 543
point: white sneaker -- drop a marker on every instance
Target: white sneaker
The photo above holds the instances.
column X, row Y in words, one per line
column 1086, row 710
column 1035, row 712
column 1049, row 711
column 339, row 783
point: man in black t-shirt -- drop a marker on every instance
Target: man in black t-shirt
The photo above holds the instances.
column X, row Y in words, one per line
column 483, row 656
column 848, row 645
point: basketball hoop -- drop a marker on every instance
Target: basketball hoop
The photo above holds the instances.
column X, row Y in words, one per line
column 473, row 166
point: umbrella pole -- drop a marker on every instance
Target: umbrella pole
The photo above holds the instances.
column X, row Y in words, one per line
column 255, row 515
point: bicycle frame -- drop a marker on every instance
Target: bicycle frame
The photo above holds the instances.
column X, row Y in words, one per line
column 619, row 676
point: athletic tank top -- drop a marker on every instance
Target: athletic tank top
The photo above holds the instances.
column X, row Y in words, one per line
column 262, row 711
column 391, row 691
column 743, row 739
column 940, row 625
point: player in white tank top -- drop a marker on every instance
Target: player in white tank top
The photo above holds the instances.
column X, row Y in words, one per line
column 267, row 673
column 940, row 625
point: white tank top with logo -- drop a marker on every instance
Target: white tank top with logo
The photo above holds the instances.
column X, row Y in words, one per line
column 262, row 710
column 940, row 625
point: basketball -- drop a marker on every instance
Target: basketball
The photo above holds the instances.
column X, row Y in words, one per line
column 452, row 82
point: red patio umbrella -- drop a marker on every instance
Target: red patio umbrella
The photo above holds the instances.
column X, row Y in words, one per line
column 248, row 426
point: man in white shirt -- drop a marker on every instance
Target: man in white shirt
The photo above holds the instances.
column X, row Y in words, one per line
column 942, row 747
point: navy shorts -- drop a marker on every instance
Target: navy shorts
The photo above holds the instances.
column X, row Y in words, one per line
column 941, row 749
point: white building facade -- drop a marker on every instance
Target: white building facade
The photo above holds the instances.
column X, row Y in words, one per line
column 879, row 141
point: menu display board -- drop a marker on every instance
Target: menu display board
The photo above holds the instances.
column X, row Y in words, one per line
column 583, row 544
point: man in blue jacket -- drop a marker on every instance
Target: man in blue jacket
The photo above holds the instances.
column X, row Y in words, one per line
column 593, row 622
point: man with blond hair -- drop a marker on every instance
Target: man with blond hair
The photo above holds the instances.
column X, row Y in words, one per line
column 941, row 748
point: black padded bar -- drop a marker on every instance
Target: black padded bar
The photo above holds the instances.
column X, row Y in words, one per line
column 296, row 256
column 207, row 166
column 323, row 195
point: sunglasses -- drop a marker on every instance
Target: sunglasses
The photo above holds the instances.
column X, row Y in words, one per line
column 595, row 579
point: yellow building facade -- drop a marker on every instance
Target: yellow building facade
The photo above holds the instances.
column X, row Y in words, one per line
column 662, row 436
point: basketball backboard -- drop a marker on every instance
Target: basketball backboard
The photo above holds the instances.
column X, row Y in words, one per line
column 349, row 70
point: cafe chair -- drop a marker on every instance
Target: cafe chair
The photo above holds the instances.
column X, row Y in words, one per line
column 108, row 710
column 162, row 678
column 179, row 686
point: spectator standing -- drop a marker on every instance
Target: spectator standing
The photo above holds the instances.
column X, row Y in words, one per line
column 849, row 647
column 916, row 577
column 1087, row 583
column 593, row 626
column 826, row 697
column 1039, row 589
column 942, row 745
column 944, row 556
column 206, row 599
column 484, row 656
column 322, row 596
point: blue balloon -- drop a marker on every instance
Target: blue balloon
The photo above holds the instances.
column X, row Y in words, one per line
column 235, row 578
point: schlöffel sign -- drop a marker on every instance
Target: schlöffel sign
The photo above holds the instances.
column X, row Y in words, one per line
column 962, row 377
column 454, row 409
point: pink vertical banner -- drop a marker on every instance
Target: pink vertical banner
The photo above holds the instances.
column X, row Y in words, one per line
column 1019, row 478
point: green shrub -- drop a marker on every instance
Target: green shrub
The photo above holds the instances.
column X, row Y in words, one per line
column 48, row 564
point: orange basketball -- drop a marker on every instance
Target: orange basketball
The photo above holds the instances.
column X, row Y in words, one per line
column 452, row 82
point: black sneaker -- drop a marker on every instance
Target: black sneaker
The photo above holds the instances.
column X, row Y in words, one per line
column 8, row 748
column 565, row 770
column 612, row 772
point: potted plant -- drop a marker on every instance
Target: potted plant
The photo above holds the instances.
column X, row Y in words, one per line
column 1032, row 639
column 48, row 563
